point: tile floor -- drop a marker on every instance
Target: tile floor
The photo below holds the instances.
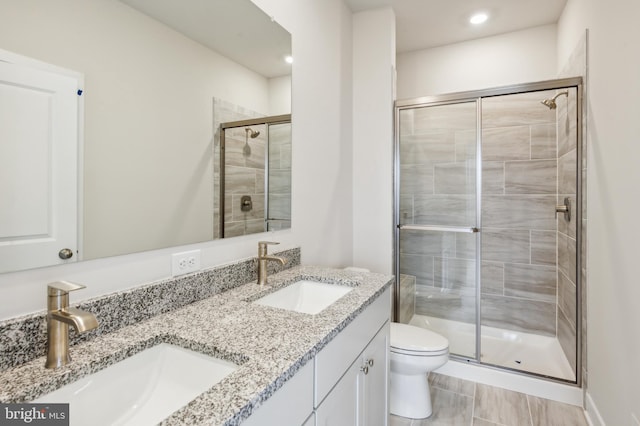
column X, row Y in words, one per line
column 458, row 402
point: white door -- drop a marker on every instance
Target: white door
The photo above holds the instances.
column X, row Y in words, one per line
column 38, row 166
column 340, row 407
column 373, row 381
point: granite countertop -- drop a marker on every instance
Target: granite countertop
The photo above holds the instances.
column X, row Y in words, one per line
column 269, row 344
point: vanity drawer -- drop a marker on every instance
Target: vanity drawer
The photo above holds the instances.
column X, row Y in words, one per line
column 333, row 361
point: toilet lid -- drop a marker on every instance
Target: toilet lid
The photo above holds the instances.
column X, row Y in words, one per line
column 412, row 338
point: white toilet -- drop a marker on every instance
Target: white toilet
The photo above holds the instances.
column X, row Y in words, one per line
column 414, row 352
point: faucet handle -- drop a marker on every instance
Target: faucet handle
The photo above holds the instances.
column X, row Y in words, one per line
column 266, row 243
column 60, row 288
column 262, row 247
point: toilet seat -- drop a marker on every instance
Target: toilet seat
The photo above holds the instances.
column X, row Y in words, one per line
column 411, row 340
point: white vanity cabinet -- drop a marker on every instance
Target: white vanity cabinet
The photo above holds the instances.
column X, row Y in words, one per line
column 360, row 396
column 346, row 383
column 352, row 371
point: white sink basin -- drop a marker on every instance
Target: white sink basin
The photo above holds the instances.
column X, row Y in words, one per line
column 143, row 389
column 308, row 297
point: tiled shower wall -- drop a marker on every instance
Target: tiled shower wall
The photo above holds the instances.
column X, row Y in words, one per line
column 279, row 176
column 520, row 181
column 521, row 175
column 244, row 175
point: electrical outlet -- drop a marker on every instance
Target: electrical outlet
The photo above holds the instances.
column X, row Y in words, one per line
column 185, row 262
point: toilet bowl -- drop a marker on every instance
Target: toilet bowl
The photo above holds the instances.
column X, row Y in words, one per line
column 414, row 352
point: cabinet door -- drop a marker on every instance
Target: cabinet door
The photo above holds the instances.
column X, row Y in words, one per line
column 374, row 380
column 340, row 407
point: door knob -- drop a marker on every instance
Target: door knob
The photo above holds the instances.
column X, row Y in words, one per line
column 65, row 253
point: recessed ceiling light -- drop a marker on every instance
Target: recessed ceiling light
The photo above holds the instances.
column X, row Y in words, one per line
column 478, row 18
column 288, row 59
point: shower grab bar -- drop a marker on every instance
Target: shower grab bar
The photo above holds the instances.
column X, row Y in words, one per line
column 467, row 230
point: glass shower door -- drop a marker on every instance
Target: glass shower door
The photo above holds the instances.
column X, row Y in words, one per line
column 438, row 220
column 529, row 245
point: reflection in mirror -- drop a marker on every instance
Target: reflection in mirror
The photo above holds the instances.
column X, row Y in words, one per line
column 148, row 71
column 255, row 176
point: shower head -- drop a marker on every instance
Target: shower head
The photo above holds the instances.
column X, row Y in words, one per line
column 252, row 133
column 551, row 103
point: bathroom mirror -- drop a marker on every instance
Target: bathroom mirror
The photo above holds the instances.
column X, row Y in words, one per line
column 153, row 71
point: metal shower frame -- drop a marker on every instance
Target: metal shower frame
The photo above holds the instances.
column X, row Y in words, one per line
column 477, row 96
column 275, row 119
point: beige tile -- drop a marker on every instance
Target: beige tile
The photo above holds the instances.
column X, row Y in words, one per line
column 449, row 409
column 492, row 275
column 519, row 211
column 455, row 274
column 460, row 116
column 508, row 143
column 416, row 179
column 482, row 422
column 466, row 246
column 545, row 412
column 428, row 148
column 451, row 210
column 567, row 339
column 505, row 245
column 493, row 177
column 530, row 281
column 407, row 298
column 517, row 314
column 447, row 305
column 567, row 298
column 406, row 209
column 419, row 266
column 452, row 384
column 517, row 109
column 531, row 177
column 567, row 170
column 501, row 406
column 466, row 145
column 455, row 178
column 543, row 141
column 399, row 421
column 567, row 256
column 279, row 181
column 543, row 248
column 427, row 243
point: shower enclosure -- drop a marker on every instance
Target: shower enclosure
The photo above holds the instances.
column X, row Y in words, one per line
column 255, row 176
column 487, row 210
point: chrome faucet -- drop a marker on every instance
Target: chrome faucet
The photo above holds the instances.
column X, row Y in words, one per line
column 59, row 317
column 263, row 258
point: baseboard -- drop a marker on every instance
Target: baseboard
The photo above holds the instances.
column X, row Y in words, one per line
column 591, row 412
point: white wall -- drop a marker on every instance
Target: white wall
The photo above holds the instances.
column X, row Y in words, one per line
column 148, row 154
column 512, row 58
column 321, row 175
column 280, row 95
column 373, row 77
column 613, row 91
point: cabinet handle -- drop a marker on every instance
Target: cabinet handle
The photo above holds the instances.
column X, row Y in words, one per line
column 365, row 367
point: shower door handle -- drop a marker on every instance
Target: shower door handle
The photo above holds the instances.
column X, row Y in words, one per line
column 564, row 208
column 441, row 228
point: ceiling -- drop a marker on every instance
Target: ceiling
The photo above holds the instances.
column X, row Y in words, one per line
column 237, row 29
column 422, row 24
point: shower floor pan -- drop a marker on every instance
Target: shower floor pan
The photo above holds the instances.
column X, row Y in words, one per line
column 512, row 349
